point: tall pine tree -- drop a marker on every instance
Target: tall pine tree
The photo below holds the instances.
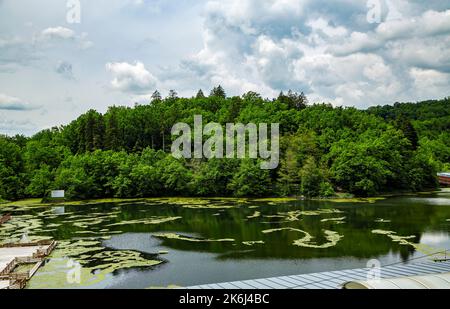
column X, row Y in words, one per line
column 218, row 92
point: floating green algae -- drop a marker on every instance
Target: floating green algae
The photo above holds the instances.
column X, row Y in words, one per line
column 210, row 206
column 37, row 202
column 405, row 241
column 95, row 263
column 275, row 200
column 188, row 238
column 380, row 220
column 21, row 227
column 274, row 216
column 254, row 242
column 56, row 273
column 370, row 200
column 383, row 232
column 332, row 237
column 236, row 200
column 291, row 216
column 256, row 214
column 182, row 201
column 402, row 240
column 282, row 229
column 199, row 203
column 307, row 237
column 23, row 203
column 147, row 221
column 336, row 220
column 59, row 273
column 86, row 223
column 319, row 212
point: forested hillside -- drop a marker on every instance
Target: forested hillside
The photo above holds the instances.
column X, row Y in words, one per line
column 126, row 151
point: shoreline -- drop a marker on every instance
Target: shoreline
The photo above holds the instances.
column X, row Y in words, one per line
column 342, row 198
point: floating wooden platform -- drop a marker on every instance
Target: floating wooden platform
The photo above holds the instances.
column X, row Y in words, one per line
column 332, row 279
column 13, row 255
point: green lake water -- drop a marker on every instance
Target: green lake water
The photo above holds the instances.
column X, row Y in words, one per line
column 182, row 242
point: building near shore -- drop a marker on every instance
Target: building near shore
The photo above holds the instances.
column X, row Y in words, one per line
column 444, row 179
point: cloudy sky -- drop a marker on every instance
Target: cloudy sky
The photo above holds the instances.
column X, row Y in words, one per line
column 347, row 52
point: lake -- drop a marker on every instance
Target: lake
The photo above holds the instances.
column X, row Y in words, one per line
column 172, row 242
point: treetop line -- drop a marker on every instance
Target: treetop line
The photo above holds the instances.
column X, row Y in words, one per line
column 323, row 150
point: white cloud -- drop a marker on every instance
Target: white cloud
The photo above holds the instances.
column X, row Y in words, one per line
column 57, row 33
column 429, row 82
column 131, row 78
column 14, row 104
column 429, row 24
column 326, row 49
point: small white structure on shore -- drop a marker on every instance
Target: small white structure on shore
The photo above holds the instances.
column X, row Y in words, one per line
column 58, row 194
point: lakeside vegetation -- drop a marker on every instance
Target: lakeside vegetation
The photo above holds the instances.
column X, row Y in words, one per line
column 124, row 153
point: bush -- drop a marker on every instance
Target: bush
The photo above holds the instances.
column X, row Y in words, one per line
column 326, row 189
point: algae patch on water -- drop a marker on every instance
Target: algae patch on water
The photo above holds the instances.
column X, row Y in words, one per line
column 335, row 220
column 198, row 203
column 380, row 220
column 88, row 260
column 405, row 241
column 321, row 211
column 252, row 243
column 275, row 200
column 190, row 239
column 290, row 216
column 332, row 237
column 147, row 221
column 22, row 227
column 295, row 215
column 256, row 214
column 369, row 200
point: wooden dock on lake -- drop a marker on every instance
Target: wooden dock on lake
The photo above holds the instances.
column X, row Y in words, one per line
column 333, row 279
column 14, row 255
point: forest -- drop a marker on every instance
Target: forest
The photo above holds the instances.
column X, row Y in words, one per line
column 325, row 150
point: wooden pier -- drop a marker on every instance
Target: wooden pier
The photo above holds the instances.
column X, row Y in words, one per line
column 332, row 279
column 14, row 255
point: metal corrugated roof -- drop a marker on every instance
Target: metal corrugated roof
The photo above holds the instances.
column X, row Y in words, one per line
column 434, row 281
column 336, row 279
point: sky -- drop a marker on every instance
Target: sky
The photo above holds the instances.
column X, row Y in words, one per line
column 60, row 58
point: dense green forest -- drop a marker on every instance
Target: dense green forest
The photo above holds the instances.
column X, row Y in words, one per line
column 126, row 151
